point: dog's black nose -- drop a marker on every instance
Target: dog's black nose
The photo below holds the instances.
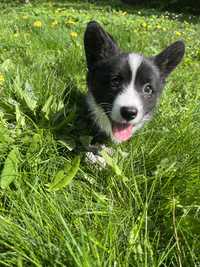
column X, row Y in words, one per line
column 128, row 113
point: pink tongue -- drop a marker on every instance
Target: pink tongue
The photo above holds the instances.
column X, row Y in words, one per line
column 122, row 132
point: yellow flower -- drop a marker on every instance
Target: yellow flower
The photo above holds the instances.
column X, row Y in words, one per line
column 70, row 22
column 2, row 79
column 178, row 33
column 37, row 24
column 144, row 24
column 54, row 23
column 73, row 34
column 158, row 27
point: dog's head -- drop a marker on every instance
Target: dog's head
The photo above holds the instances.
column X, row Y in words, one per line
column 124, row 87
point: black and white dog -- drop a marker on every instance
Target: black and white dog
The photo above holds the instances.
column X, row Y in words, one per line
column 124, row 87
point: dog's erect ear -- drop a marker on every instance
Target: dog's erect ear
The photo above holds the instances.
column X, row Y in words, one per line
column 99, row 45
column 169, row 58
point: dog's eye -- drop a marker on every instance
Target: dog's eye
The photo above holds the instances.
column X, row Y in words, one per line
column 116, row 80
column 148, row 90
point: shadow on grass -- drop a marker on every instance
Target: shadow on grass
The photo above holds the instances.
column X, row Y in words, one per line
column 73, row 125
column 143, row 9
column 70, row 123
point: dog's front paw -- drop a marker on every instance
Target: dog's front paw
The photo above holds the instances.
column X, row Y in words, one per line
column 95, row 159
column 93, row 156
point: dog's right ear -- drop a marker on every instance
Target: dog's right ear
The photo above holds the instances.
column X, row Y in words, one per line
column 99, row 45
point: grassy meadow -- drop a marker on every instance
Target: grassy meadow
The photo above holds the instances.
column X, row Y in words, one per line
column 56, row 208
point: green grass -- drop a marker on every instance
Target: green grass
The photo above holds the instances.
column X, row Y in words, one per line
column 99, row 219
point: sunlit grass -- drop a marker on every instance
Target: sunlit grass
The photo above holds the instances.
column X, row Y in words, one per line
column 151, row 218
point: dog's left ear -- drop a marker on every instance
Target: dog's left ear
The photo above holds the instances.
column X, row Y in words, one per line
column 169, row 58
column 99, row 45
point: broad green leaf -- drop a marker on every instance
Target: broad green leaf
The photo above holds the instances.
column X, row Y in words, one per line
column 109, row 160
column 10, row 169
column 19, row 117
column 7, row 107
column 4, row 135
column 29, row 96
column 57, row 178
column 47, row 106
column 60, row 175
column 60, row 105
column 64, row 177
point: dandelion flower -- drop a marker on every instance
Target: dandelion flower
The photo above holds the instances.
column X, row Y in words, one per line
column 37, row 24
column 178, row 33
column 144, row 24
column 2, row 79
column 73, row 34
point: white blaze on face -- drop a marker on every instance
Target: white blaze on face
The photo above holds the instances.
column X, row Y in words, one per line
column 129, row 97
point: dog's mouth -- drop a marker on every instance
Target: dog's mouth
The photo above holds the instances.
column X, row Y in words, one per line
column 122, row 131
